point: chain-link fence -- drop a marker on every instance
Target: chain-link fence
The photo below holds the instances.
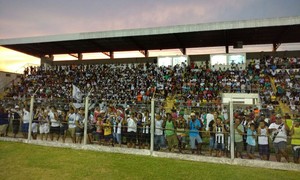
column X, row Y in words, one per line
column 199, row 128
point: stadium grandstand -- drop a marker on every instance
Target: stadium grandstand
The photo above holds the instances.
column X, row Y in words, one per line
column 190, row 116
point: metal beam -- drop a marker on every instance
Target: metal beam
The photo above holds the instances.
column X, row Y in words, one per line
column 78, row 56
column 183, row 51
column 276, row 46
column 109, row 54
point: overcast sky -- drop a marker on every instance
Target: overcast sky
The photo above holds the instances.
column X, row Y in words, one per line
column 23, row 18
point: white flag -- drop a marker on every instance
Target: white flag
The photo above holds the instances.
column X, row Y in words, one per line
column 76, row 93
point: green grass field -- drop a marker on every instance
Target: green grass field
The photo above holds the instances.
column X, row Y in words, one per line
column 25, row 161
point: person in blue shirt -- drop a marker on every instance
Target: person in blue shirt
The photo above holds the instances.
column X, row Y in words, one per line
column 251, row 142
column 194, row 127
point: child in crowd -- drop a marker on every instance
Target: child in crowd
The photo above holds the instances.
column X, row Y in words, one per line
column 107, row 132
column 99, row 129
column 219, row 137
column 263, row 143
column 251, row 143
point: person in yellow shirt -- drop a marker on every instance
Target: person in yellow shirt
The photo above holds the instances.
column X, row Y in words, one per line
column 295, row 133
column 107, row 132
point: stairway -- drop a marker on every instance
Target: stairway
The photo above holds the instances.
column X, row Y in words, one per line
column 169, row 103
column 284, row 108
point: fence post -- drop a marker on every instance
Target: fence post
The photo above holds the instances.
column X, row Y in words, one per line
column 31, row 117
column 86, row 116
column 152, row 127
column 231, row 131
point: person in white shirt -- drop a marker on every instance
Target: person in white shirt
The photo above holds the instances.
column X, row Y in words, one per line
column 263, row 143
column 43, row 123
column 79, row 120
column 119, row 121
column 54, row 123
column 159, row 139
column 71, row 124
column 209, row 117
column 279, row 137
column 25, row 119
column 131, row 130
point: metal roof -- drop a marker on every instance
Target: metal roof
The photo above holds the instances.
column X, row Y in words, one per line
column 250, row 32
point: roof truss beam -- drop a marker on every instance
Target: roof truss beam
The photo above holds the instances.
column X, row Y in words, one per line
column 110, row 54
column 79, row 56
column 276, row 46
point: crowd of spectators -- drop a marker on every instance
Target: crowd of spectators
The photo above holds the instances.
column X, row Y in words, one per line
column 185, row 85
column 113, row 126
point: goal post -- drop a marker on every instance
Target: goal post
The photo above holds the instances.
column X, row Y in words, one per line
column 238, row 99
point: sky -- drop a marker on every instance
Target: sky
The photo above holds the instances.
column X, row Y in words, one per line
column 27, row 18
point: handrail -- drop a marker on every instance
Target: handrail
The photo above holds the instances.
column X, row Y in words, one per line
column 25, row 66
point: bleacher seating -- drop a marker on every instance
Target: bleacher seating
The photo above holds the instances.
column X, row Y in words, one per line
column 124, row 82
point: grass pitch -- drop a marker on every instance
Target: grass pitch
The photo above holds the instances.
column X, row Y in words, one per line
column 25, row 161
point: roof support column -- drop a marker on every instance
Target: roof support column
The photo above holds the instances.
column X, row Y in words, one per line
column 78, row 56
column 226, row 42
column 45, row 60
column 145, row 53
column 227, row 49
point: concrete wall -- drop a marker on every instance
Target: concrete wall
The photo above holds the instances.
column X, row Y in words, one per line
column 6, row 78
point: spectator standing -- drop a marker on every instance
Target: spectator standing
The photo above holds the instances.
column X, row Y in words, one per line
column 238, row 138
column 194, row 127
column 209, row 117
column 3, row 121
column 211, row 137
column 251, row 142
column 295, row 133
column 131, row 130
column 159, row 140
column 25, row 122
column 79, row 119
column 170, row 127
column 181, row 131
column 263, row 140
column 71, row 124
column 54, row 123
column 219, row 130
column 43, row 123
column 279, row 131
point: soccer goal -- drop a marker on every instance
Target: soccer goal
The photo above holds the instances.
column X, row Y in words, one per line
column 237, row 100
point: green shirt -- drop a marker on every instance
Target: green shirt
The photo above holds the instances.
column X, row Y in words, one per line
column 237, row 136
column 169, row 125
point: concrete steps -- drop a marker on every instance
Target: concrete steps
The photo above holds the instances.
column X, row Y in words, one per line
column 283, row 107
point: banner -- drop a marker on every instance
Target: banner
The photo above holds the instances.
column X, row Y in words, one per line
column 76, row 93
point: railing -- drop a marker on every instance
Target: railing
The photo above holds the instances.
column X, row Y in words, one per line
column 139, row 139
